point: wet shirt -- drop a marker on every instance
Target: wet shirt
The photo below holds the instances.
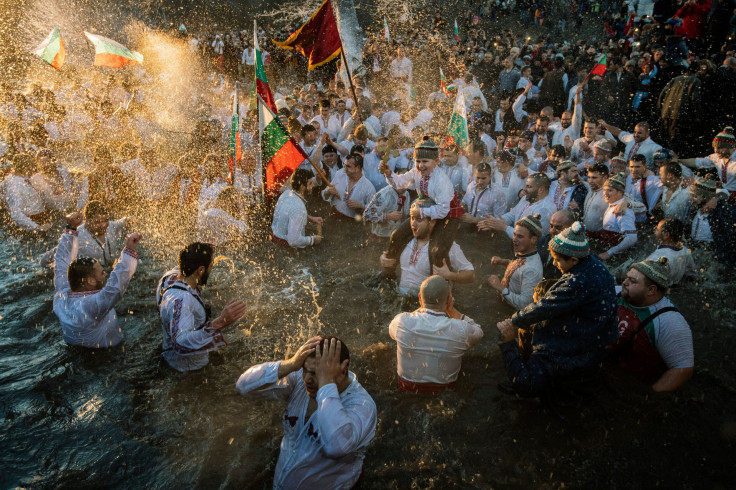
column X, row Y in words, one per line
column 105, row 251
column 544, row 208
column 415, row 267
column 430, row 345
column 326, row 450
column 489, row 201
column 187, row 336
column 385, row 201
column 362, row 191
column 88, row 318
column 23, row 201
column 216, row 226
column 290, row 219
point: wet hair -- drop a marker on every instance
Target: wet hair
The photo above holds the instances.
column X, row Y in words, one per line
column 95, row 208
column 299, row 178
column 540, row 180
column 674, row 227
column 194, row 256
column 484, row 167
column 78, row 271
column 307, row 128
column 356, row 158
column 324, row 103
column 644, row 125
column 477, row 146
column 559, row 150
column 599, row 168
column 674, row 169
column 344, row 351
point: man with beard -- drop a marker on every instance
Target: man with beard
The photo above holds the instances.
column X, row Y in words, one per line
column 85, row 300
column 329, row 420
column 568, row 192
column 535, row 201
column 655, row 340
column 559, row 221
column 415, row 256
column 188, row 333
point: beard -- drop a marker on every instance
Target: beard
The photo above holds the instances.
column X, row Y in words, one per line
column 203, row 279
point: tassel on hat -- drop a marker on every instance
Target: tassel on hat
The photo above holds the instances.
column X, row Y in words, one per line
column 656, row 271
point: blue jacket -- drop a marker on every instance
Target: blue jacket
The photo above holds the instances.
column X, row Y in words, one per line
column 576, row 319
column 722, row 222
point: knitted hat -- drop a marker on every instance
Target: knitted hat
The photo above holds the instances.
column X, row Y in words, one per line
column 426, row 149
column 656, row 271
column 571, row 241
column 725, row 138
column 617, row 182
column 565, row 165
column 532, row 223
column 619, row 159
column 663, row 154
column 704, row 187
column 603, row 145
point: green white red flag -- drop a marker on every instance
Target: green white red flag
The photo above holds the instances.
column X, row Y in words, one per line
column 280, row 154
column 236, row 152
column 600, row 67
column 111, row 53
column 260, row 86
column 458, row 129
column 457, row 33
column 52, row 49
column 443, row 84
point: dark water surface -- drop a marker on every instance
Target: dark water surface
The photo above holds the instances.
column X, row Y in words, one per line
column 122, row 418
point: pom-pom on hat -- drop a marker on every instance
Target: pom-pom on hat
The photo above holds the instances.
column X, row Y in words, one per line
column 532, row 223
column 725, row 138
column 617, row 182
column 656, row 271
column 705, row 187
column 571, row 241
column 426, row 149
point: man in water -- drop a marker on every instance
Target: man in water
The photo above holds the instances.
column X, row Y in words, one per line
column 189, row 334
column 329, row 421
column 85, row 300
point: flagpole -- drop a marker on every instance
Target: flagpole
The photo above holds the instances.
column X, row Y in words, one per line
column 347, row 66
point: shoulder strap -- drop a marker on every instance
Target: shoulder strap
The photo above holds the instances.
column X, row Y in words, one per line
column 175, row 286
column 651, row 318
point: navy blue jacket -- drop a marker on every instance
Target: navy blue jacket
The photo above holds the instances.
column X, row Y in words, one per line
column 722, row 221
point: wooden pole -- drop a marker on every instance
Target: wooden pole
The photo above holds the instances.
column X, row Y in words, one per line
column 319, row 171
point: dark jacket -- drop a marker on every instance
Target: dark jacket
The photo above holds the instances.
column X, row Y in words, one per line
column 550, row 271
column 722, row 222
column 575, row 320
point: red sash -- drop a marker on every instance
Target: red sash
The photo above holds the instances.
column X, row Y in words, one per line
column 278, row 240
column 341, row 216
column 455, row 209
column 426, row 388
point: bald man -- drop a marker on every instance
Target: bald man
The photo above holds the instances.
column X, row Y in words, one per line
column 559, row 221
column 432, row 340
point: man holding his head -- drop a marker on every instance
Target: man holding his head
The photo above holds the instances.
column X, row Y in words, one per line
column 432, row 340
column 85, row 300
column 189, row 334
column 329, row 419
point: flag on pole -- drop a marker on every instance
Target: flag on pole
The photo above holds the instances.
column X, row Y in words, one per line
column 280, row 155
column 52, row 49
column 458, row 129
column 261, row 87
column 318, row 39
column 600, row 67
column 443, row 85
column 386, row 34
column 236, row 152
column 457, row 33
column 111, row 53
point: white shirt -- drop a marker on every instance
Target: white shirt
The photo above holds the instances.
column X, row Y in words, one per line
column 700, row 230
column 646, row 147
column 336, row 123
column 248, row 57
column 362, row 191
column 714, row 160
column 290, row 219
column 388, row 120
column 489, row 201
column 415, row 266
column 594, row 208
column 327, row 450
column 439, row 189
column 457, row 175
column 45, row 186
column 402, row 68
column 523, row 281
column 652, row 189
column 544, row 208
column 385, row 201
column 430, row 345
column 187, row 336
column 626, row 225
column 511, row 185
column 573, row 130
column 154, row 185
column 676, row 204
column 88, row 318
column 680, row 262
column 23, row 201
column 217, row 226
column 209, row 192
column 370, row 170
column 105, row 252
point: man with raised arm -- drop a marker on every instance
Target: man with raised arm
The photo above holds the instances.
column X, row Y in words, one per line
column 329, row 418
column 85, row 300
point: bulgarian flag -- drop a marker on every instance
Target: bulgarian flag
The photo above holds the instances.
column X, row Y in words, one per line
column 599, row 68
column 280, row 155
column 386, row 34
column 236, row 151
column 443, row 85
column 260, row 87
column 457, row 33
column 111, row 53
column 458, row 129
column 52, row 49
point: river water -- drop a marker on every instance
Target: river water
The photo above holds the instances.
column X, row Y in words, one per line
column 122, row 418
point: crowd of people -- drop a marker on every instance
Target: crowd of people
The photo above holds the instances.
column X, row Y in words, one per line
column 588, row 177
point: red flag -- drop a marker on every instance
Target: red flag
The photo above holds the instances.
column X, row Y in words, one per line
column 600, row 67
column 629, row 27
column 318, row 39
